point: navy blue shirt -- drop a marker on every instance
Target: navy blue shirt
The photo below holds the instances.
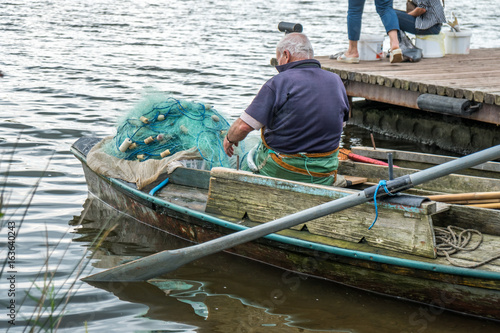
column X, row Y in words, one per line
column 302, row 108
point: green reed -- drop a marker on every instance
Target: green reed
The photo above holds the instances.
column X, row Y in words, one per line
column 50, row 299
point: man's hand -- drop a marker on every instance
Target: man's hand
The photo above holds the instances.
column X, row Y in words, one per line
column 229, row 147
column 237, row 132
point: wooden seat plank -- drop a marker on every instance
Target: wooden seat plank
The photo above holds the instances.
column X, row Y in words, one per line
column 401, row 228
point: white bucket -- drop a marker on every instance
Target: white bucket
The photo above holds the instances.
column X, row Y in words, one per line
column 457, row 42
column 432, row 45
column 370, row 47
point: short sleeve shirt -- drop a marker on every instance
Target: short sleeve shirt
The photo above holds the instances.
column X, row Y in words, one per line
column 302, row 108
column 434, row 14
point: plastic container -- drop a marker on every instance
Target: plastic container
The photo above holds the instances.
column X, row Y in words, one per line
column 370, row 47
column 432, row 45
column 457, row 42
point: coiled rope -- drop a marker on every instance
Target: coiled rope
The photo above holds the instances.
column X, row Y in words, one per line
column 453, row 239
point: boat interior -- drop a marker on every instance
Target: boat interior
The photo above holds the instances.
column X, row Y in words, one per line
column 405, row 230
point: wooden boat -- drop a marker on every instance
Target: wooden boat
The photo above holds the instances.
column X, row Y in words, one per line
column 397, row 257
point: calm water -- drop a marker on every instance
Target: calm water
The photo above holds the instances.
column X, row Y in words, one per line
column 71, row 68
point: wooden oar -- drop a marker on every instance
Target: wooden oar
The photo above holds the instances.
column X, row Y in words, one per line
column 167, row 261
column 465, row 196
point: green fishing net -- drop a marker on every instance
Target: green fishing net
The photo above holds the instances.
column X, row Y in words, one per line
column 161, row 126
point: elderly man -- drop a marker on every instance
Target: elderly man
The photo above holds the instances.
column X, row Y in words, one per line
column 300, row 112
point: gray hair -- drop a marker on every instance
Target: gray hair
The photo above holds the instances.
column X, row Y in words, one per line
column 297, row 44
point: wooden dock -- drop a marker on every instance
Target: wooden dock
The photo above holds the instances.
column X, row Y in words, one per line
column 475, row 77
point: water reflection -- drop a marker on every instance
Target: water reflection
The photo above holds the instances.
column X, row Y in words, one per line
column 225, row 293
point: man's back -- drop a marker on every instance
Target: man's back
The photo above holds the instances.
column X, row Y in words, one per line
column 309, row 106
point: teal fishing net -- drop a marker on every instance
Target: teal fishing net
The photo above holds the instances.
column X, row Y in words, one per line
column 161, row 126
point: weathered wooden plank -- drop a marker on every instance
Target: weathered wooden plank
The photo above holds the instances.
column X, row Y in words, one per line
column 389, row 82
column 469, row 94
column 465, row 66
column 483, row 57
column 479, row 96
column 453, row 183
column 381, row 154
column 411, row 233
column 185, row 196
column 239, row 193
column 450, row 92
column 456, row 79
column 414, row 85
column 425, row 68
column 356, row 180
column 405, row 84
column 432, row 89
column 380, row 80
column 459, row 93
column 489, row 98
column 452, row 73
column 358, row 77
column 484, row 220
column 261, row 199
column 473, row 70
column 462, row 83
column 441, row 90
column 190, row 177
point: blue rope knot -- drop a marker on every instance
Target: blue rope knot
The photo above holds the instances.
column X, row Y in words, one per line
column 382, row 183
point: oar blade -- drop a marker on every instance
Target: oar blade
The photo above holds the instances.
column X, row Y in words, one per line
column 141, row 269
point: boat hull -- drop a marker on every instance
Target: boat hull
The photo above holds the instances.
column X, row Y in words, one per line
column 437, row 290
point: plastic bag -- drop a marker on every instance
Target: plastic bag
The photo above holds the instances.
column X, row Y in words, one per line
column 411, row 53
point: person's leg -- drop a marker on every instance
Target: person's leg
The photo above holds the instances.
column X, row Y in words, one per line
column 389, row 19
column 406, row 22
column 434, row 30
column 354, row 16
column 352, row 51
column 393, row 37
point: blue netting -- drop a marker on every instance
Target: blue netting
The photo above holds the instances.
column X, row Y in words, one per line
column 161, row 126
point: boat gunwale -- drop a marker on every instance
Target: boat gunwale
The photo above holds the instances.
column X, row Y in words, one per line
column 366, row 256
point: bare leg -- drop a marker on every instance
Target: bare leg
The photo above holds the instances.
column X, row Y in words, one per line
column 352, row 51
column 393, row 36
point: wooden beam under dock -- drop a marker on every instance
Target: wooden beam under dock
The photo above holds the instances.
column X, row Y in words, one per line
column 474, row 76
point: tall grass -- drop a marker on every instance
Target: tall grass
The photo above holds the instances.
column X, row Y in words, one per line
column 45, row 300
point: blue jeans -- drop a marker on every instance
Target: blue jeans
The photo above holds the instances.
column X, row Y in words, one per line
column 355, row 13
column 407, row 24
